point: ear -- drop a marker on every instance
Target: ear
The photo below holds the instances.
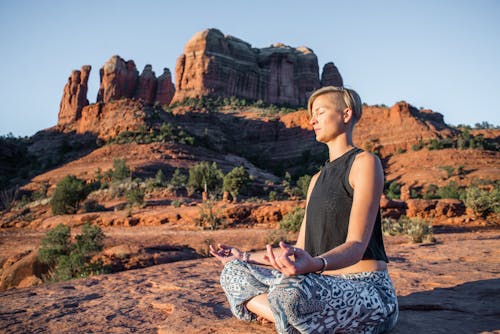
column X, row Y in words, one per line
column 347, row 115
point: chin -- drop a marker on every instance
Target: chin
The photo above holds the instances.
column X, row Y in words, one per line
column 320, row 139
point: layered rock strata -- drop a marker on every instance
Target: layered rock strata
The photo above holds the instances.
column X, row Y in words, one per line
column 214, row 64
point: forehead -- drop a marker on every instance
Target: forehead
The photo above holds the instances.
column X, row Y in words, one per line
column 327, row 99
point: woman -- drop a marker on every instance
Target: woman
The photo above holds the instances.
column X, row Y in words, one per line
column 335, row 279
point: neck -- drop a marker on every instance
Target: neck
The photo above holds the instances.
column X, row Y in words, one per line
column 339, row 146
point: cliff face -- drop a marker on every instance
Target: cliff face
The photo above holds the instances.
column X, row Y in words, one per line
column 219, row 65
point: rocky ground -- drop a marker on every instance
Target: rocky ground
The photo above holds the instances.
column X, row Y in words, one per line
column 450, row 286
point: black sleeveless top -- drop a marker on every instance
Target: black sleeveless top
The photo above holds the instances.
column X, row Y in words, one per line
column 329, row 209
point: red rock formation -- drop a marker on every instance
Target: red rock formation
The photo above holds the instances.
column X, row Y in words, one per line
column 218, row 65
column 399, row 127
column 109, row 119
column 146, row 89
column 166, row 90
column 74, row 97
column 119, row 79
column 331, row 76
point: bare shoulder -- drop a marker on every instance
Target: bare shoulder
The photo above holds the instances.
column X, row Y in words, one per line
column 366, row 165
column 366, row 159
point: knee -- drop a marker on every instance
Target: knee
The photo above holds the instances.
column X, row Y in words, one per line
column 285, row 298
column 231, row 270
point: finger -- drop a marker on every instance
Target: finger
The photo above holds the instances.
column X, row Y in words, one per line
column 287, row 249
column 225, row 247
column 272, row 258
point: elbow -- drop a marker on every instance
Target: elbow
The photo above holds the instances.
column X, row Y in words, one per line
column 357, row 251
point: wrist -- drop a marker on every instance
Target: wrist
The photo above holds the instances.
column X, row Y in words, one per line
column 321, row 264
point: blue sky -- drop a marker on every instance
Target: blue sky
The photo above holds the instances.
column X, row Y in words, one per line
column 442, row 55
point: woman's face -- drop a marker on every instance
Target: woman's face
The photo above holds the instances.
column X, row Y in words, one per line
column 327, row 122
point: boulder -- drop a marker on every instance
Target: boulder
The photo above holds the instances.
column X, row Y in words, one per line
column 74, row 96
column 435, row 208
column 16, row 271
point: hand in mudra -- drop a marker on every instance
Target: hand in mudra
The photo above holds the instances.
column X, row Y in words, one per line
column 225, row 253
column 290, row 261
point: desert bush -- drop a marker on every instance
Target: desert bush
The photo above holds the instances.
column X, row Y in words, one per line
column 431, row 192
column 176, row 203
column 393, row 190
column 273, row 195
column 303, row 184
column 417, row 229
column 211, row 217
column 135, row 196
column 92, row 205
column 55, row 244
column 178, row 180
column 451, row 190
column 120, row 171
column 7, row 198
column 417, row 147
column 205, row 177
column 68, row 195
column 235, row 181
column 483, row 201
column 292, row 220
column 160, row 179
column 69, row 259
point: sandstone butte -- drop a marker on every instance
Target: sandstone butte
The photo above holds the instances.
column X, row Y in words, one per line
column 213, row 64
column 438, row 283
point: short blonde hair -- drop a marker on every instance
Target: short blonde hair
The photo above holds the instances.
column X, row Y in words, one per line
column 349, row 96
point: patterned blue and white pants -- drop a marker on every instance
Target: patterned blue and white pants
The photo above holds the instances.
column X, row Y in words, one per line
column 313, row 303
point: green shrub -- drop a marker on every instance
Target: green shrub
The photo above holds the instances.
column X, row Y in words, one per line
column 205, row 177
column 483, row 201
column 417, row 147
column 55, row 244
column 160, row 179
column 303, row 184
column 135, row 196
column 393, row 190
column 68, row 259
column 210, row 218
column 68, row 195
column 178, row 180
column 417, row 229
column 235, row 181
column 292, row 220
column 273, row 195
column 452, row 190
column 121, row 171
column 431, row 192
column 92, row 205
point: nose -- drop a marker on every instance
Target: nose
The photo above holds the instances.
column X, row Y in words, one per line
column 312, row 119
